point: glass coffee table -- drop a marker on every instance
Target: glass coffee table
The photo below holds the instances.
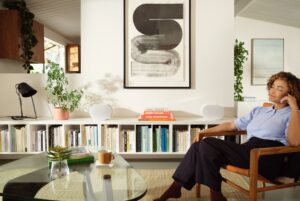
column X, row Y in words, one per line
column 28, row 179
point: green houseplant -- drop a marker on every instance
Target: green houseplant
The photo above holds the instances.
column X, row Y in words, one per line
column 240, row 57
column 27, row 34
column 63, row 100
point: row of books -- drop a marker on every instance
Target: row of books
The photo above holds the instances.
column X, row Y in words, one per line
column 5, row 140
column 127, row 141
column 73, row 138
column 38, row 140
column 90, row 135
column 56, row 136
column 15, row 141
column 181, row 141
column 108, row 138
column 160, row 139
column 144, row 140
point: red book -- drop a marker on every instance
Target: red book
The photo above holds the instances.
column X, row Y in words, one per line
column 156, row 112
column 144, row 116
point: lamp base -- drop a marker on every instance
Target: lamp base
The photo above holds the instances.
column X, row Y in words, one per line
column 21, row 117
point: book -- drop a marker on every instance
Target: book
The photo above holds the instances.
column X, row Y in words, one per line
column 156, row 115
column 84, row 159
column 157, row 119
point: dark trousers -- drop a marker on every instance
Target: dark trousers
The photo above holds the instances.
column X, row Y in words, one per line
column 203, row 161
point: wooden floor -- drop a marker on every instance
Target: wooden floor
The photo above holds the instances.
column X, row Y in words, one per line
column 159, row 180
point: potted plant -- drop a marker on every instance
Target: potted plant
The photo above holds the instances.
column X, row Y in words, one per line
column 240, row 57
column 63, row 100
column 58, row 156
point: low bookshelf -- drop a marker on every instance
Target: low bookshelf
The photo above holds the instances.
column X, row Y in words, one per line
column 131, row 138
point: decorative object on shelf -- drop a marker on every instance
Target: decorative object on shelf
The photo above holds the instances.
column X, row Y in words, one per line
column 157, row 114
column 239, row 59
column 28, row 37
column 100, row 111
column 73, row 58
column 157, row 50
column 212, row 112
column 26, row 91
column 58, row 157
column 267, row 59
column 63, row 100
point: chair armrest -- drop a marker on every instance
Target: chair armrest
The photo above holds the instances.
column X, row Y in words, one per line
column 223, row 133
column 275, row 150
column 257, row 152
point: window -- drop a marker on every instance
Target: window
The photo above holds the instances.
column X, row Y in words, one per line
column 54, row 52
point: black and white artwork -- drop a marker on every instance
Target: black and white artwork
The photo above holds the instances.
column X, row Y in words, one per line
column 157, row 44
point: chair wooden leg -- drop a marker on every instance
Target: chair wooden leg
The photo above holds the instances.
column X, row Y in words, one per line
column 253, row 176
column 198, row 190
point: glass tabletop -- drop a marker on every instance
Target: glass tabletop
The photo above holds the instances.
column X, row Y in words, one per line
column 29, row 178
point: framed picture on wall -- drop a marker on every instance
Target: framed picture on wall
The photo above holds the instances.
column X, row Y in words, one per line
column 73, row 58
column 157, row 50
column 267, row 59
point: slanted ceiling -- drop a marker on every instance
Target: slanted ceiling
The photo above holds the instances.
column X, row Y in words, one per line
column 61, row 16
column 285, row 12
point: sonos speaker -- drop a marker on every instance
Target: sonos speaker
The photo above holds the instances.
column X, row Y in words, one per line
column 212, row 111
column 100, row 111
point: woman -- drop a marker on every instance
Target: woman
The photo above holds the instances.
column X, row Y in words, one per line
column 278, row 125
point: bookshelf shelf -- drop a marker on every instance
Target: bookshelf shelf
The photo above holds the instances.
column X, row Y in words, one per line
column 129, row 137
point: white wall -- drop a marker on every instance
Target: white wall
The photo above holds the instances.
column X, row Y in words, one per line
column 246, row 29
column 102, row 63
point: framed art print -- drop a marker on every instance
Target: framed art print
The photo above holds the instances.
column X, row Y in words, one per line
column 73, row 58
column 157, row 44
column 267, row 59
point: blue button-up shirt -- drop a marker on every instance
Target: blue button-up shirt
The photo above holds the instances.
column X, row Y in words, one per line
column 266, row 123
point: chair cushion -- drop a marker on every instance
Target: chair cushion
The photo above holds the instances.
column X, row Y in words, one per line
column 292, row 166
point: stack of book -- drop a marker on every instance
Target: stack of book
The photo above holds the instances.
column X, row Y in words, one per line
column 156, row 115
column 80, row 155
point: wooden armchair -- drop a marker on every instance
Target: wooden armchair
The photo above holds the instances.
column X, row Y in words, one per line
column 252, row 173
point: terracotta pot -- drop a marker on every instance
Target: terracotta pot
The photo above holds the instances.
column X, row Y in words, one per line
column 60, row 114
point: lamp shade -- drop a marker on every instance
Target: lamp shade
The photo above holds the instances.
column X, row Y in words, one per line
column 25, row 90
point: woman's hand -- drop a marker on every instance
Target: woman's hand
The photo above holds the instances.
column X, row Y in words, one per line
column 291, row 100
column 197, row 137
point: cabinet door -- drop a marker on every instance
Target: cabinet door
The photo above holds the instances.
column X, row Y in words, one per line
column 10, row 37
column 10, row 30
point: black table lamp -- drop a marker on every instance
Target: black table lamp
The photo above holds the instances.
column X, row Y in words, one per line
column 26, row 91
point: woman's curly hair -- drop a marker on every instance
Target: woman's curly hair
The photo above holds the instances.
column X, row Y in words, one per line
column 292, row 81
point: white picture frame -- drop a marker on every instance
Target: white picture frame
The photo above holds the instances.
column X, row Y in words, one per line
column 157, row 44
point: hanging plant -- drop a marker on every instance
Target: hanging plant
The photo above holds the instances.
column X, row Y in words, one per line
column 239, row 59
column 27, row 34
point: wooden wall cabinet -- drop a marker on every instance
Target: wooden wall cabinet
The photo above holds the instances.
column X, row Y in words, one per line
column 10, row 37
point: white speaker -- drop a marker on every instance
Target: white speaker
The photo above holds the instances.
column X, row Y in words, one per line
column 100, row 111
column 212, row 111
